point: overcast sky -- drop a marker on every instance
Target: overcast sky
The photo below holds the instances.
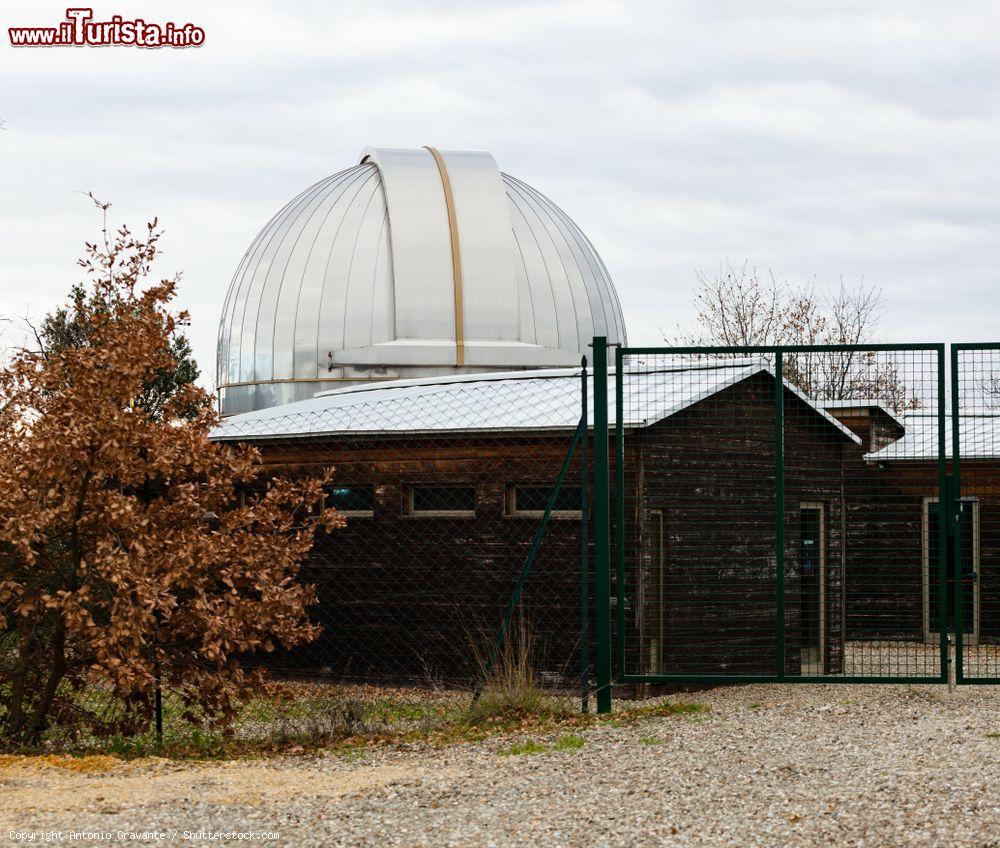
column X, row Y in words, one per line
column 817, row 139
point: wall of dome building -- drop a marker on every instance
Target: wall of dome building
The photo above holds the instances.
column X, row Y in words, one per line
column 412, row 263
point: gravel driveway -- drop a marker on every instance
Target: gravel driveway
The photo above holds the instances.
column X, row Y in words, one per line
column 765, row 765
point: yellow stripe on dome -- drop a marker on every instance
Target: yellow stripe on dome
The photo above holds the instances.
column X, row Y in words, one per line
column 456, row 259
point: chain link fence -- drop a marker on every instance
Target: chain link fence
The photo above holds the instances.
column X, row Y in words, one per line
column 467, row 529
column 462, row 563
column 794, row 514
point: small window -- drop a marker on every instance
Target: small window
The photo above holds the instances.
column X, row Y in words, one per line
column 250, row 492
column 455, row 501
column 530, row 501
column 358, row 501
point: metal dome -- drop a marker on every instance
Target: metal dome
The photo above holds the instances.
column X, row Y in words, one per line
column 412, row 263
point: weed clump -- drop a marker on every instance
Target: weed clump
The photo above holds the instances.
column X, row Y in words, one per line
column 510, row 690
column 521, row 748
column 569, row 742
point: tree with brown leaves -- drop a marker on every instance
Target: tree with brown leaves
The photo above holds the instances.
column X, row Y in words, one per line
column 130, row 553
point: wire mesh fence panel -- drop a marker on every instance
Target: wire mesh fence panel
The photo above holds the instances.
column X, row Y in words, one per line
column 697, row 516
column 862, row 472
column 974, row 555
column 443, row 486
column 780, row 529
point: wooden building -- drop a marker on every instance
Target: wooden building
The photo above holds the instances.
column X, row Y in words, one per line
column 443, row 481
column 895, row 566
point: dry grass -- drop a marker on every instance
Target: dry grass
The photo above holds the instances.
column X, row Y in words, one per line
column 348, row 719
column 510, row 688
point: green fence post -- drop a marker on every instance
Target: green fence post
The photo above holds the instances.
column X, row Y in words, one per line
column 602, row 526
column 954, row 523
column 779, row 487
column 944, row 510
column 620, row 509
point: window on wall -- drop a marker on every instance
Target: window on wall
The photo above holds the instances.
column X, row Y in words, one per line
column 529, row 501
column 451, row 501
column 248, row 492
column 351, row 500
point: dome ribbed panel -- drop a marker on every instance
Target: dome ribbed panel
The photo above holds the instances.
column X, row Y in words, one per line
column 271, row 323
column 318, row 280
column 589, row 269
column 562, row 271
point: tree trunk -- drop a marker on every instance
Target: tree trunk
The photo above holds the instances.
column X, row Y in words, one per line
column 16, row 714
column 33, row 731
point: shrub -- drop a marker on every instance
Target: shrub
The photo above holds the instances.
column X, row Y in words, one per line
column 128, row 556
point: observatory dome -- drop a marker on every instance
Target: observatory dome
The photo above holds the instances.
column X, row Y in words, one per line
column 413, row 263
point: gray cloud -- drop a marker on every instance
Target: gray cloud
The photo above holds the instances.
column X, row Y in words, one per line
column 828, row 140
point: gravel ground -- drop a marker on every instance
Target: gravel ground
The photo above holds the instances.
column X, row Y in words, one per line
column 908, row 659
column 766, row 765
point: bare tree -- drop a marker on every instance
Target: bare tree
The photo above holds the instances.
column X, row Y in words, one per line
column 989, row 388
column 740, row 307
column 736, row 307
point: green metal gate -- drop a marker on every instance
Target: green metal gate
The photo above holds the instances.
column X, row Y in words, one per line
column 801, row 513
column 973, row 589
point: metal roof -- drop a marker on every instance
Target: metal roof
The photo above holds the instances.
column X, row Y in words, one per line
column 862, row 403
column 519, row 401
column 412, row 263
column 978, row 434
